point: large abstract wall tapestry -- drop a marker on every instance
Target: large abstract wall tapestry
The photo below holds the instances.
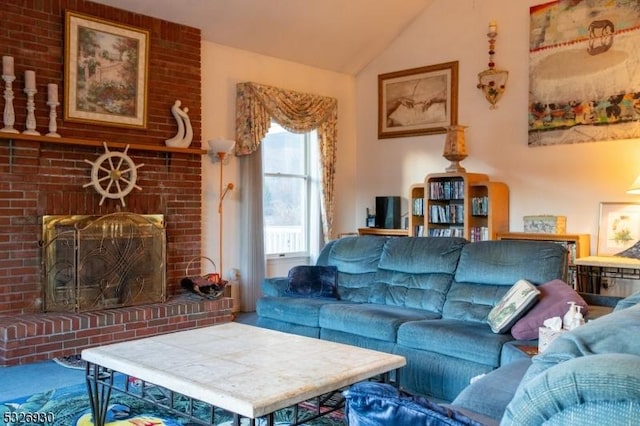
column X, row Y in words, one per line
column 584, row 71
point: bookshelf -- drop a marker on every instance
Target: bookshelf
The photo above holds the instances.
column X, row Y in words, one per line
column 466, row 205
column 416, row 210
column 489, row 210
column 578, row 245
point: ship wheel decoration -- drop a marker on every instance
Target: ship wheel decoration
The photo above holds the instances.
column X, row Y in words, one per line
column 113, row 175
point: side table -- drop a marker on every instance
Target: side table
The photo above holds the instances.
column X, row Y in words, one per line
column 592, row 269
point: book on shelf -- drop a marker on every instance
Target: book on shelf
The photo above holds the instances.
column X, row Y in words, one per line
column 448, row 213
column 480, row 206
column 446, row 190
column 418, row 207
column 447, row 232
column 479, row 233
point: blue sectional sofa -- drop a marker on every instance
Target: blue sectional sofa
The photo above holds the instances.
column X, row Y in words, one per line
column 587, row 376
column 427, row 299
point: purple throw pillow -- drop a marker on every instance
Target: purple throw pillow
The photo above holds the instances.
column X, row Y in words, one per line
column 553, row 302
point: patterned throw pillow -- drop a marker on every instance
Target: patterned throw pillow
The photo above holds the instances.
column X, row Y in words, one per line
column 520, row 297
column 313, row 281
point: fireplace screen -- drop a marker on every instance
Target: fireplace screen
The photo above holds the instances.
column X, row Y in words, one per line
column 102, row 262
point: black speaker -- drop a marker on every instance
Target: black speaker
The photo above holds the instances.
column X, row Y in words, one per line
column 388, row 212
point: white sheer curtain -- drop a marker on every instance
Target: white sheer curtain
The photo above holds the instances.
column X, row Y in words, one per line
column 253, row 262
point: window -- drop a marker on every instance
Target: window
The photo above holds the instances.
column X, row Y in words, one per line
column 290, row 192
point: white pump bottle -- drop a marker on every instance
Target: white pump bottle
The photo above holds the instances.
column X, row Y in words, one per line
column 567, row 320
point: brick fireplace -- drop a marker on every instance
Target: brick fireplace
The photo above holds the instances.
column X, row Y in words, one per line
column 39, row 179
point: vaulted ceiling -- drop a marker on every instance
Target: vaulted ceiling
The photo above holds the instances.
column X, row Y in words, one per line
column 337, row 35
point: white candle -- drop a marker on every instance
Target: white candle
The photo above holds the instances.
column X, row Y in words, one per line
column 53, row 92
column 30, row 79
column 7, row 65
column 493, row 27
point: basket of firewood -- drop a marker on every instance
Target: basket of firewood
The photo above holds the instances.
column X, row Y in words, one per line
column 209, row 285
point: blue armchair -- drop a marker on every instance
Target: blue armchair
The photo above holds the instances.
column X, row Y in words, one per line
column 590, row 375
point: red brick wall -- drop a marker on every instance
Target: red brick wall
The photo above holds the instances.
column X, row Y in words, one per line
column 38, row 179
column 38, row 337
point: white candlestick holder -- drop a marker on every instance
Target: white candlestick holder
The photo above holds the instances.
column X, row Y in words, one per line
column 9, row 117
column 31, row 116
column 53, row 126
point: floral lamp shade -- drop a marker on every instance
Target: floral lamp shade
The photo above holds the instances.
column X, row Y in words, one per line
column 493, row 83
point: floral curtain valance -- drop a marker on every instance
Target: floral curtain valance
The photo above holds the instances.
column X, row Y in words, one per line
column 297, row 112
column 258, row 104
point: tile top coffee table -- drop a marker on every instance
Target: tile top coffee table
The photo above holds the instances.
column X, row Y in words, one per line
column 247, row 370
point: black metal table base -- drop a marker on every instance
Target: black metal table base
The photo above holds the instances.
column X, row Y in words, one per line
column 590, row 276
column 101, row 383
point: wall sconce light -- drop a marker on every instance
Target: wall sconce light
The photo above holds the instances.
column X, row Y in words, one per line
column 455, row 148
column 492, row 81
column 219, row 152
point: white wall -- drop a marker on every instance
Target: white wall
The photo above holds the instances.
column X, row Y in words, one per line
column 222, row 68
column 569, row 180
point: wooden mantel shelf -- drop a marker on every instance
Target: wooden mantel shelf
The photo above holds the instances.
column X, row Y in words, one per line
column 87, row 142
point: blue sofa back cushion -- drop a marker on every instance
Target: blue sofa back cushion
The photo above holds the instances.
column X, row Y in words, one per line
column 421, row 255
column 416, row 272
column 380, row 404
column 357, row 261
column 313, row 281
column 488, row 269
column 356, row 255
column 419, row 291
column 505, row 262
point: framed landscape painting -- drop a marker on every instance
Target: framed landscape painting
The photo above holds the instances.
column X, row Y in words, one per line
column 105, row 72
column 418, row 101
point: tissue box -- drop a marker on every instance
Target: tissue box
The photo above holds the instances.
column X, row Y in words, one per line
column 546, row 336
column 545, row 224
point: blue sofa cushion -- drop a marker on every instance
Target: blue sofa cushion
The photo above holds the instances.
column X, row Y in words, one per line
column 458, row 339
column 313, row 281
column 356, row 255
column 487, row 269
column 380, row 404
column 357, row 261
column 472, row 302
column 422, row 255
column 490, row 394
column 628, row 302
column 505, row 262
column 416, row 272
column 301, row 311
column 368, row 319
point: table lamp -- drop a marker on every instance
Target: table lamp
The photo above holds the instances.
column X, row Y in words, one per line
column 455, row 148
